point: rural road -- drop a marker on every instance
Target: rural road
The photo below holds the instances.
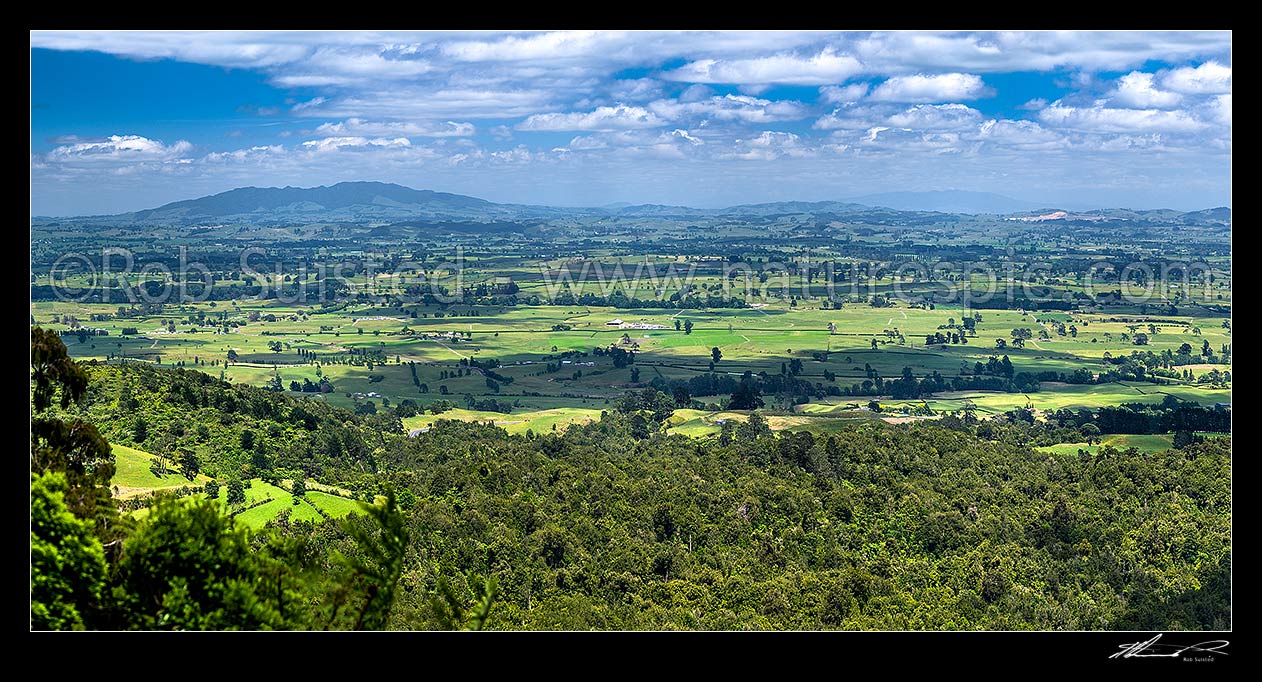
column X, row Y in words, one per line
column 453, row 350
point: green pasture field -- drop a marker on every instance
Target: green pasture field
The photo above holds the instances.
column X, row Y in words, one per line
column 525, row 339
column 332, row 505
column 519, row 422
column 707, row 423
column 1056, row 396
column 1141, row 442
column 255, row 515
column 263, row 501
column 259, row 516
column 132, row 475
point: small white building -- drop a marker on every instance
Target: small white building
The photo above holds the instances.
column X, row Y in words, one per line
column 614, row 322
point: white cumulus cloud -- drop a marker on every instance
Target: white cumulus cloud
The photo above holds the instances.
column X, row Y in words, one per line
column 696, row 92
column 1210, row 78
column 1103, row 119
column 1027, row 135
column 345, row 65
column 769, row 145
column 936, row 117
column 1137, row 90
column 854, row 117
column 238, row 155
column 635, row 89
column 1007, row 51
column 516, row 155
column 587, row 143
column 409, row 102
column 731, row 108
column 120, row 147
column 1221, row 107
column 335, row 143
column 685, row 135
column 835, row 94
column 823, row 68
column 540, row 46
column 927, row 89
column 620, row 117
column 359, row 127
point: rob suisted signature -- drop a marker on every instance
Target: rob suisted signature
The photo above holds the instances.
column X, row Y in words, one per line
column 1152, row 649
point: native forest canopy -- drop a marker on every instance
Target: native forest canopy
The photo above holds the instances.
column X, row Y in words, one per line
column 366, row 406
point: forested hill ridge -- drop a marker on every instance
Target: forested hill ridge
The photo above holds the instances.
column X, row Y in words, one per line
column 366, row 202
column 957, row 524
column 247, row 200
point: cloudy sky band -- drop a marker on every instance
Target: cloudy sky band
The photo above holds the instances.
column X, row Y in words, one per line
column 698, row 118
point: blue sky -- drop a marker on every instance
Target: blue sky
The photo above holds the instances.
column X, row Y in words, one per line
column 128, row 120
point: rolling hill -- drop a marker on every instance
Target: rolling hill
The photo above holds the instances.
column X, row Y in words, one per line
column 948, row 201
column 343, row 201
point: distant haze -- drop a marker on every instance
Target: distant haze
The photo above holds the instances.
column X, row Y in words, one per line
column 360, row 201
column 950, row 201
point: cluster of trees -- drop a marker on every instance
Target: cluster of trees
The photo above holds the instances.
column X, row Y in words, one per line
column 995, row 367
column 714, row 384
column 938, row 338
column 188, row 565
column 416, row 380
column 487, row 404
column 493, row 376
column 604, row 526
column 356, row 357
column 995, row 375
column 618, row 299
column 1170, row 415
column 983, row 299
column 956, row 333
column 309, row 386
column 1154, row 367
column 621, row 357
column 235, row 431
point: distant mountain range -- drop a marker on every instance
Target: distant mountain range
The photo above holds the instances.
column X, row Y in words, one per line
column 246, row 200
column 343, row 201
column 948, row 201
column 358, row 202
